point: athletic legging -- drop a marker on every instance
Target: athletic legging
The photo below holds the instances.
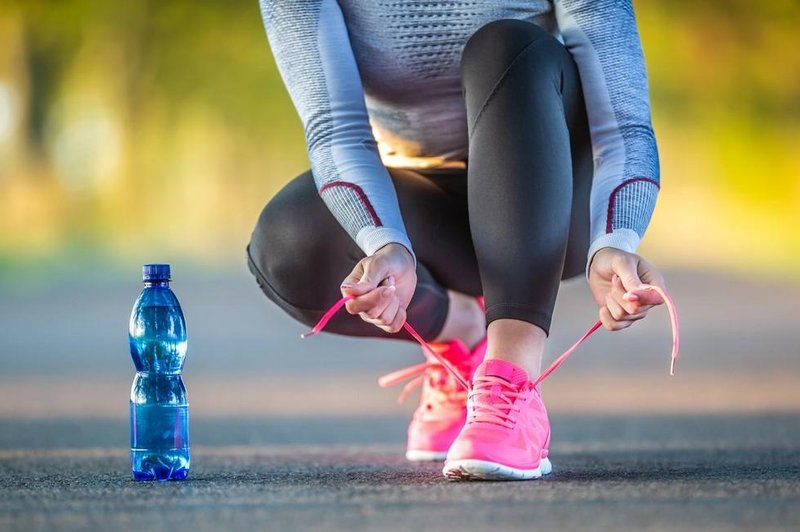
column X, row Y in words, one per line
column 510, row 226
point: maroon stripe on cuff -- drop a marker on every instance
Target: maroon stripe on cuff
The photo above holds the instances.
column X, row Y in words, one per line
column 612, row 200
column 361, row 196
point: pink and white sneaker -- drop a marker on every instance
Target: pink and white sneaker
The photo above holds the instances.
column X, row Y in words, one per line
column 507, row 433
column 442, row 408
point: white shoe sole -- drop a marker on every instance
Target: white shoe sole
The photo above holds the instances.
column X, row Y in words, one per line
column 483, row 470
column 425, row 456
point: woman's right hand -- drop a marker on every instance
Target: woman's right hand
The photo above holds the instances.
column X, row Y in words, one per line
column 382, row 285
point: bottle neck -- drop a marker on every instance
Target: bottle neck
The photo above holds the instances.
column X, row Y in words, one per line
column 163, row 283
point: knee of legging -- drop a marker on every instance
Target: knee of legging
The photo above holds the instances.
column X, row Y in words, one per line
column 499, row 43
column 283, row 248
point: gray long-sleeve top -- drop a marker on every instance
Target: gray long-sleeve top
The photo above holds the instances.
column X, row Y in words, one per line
column 361, row 69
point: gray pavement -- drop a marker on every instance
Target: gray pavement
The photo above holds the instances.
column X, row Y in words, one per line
column 716, row 447
column 611, row 473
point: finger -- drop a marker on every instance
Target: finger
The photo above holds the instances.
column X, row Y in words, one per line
column 349, row 284
column 618, row 293
column 649, row 275
column 615, row 309
column 610, row 323
column 375, row 271
column 397, row 322
column 635, row 317
column 620, row 313
column 646, row 298
column 354, row 290
column 387, row 316
column 626, row 268
column 359, row 288
column 364, row 316
column 371, row 303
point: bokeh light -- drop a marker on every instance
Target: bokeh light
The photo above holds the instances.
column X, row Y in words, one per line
column 164, row 126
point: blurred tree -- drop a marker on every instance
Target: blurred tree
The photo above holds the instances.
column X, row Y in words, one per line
column 164, row 126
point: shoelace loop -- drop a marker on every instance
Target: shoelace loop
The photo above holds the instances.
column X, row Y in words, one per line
column 417, row 370
column 488, row 412
column 418, row 374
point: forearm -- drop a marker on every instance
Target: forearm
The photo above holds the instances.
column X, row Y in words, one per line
column 603, row 38
column 312, row 50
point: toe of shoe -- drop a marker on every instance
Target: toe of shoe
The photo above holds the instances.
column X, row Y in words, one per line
column 488, row 450
column 465, row 448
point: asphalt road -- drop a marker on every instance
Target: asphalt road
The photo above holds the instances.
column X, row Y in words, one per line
column 291, row 435
column 611, row 473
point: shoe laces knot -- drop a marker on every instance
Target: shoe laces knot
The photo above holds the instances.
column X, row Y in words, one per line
column 442, row 386
column 493, row 400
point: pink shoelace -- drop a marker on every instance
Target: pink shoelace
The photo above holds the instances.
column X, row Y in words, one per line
column 447, row 391
column 420, row 368
column 498, row 408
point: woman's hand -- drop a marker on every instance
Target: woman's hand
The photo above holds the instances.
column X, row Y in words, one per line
column 382, row 284
column 615, row 280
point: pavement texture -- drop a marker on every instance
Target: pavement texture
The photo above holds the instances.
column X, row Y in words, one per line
column 717, row 447
column 612, row 473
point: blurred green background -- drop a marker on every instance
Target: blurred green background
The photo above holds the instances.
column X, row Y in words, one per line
column 131, row 130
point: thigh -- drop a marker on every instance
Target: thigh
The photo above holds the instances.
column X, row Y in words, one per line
column 582, row 172
column 302, row 254
column 298, row 252
column 434, row 207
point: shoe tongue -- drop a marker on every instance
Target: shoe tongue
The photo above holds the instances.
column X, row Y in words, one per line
column 504, row 370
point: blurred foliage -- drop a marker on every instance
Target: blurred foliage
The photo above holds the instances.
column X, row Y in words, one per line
column 129, row 129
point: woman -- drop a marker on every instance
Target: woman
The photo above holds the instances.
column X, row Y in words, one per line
column 466, row 156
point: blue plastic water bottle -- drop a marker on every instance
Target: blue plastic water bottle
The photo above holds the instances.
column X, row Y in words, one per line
column 159, row 410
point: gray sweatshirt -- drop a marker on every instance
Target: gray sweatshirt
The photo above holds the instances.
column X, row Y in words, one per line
column 358, row 70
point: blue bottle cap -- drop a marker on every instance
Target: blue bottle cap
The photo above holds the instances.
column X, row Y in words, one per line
column 156, row 272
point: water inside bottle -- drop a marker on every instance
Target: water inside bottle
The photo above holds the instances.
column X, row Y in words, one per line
column 159, row 441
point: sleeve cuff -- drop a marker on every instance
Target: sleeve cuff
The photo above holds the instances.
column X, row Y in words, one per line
column 624, row 239
column 371, row 239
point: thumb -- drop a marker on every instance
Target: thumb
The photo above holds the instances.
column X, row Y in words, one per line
column 351, row 286
column 635, row 278
column 628, row 275
column 374, row 273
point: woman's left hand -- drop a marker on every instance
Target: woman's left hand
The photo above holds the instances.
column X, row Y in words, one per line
column 616, row 280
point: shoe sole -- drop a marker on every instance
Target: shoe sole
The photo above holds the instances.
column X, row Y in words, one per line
column 425, row 456
column 483, row 470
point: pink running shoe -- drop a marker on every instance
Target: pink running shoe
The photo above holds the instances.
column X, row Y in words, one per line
column 442, row 408
column 507, row 433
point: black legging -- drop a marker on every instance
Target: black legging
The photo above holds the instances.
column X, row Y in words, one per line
column 510, row 226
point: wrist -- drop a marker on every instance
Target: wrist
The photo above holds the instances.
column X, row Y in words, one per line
column 371, row 239
column 625, row 240
column 604, row 252
column 395, row 248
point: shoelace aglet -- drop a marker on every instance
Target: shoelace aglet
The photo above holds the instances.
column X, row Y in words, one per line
column 326, row 317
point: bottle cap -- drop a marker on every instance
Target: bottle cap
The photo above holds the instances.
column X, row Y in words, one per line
column 156, row 272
